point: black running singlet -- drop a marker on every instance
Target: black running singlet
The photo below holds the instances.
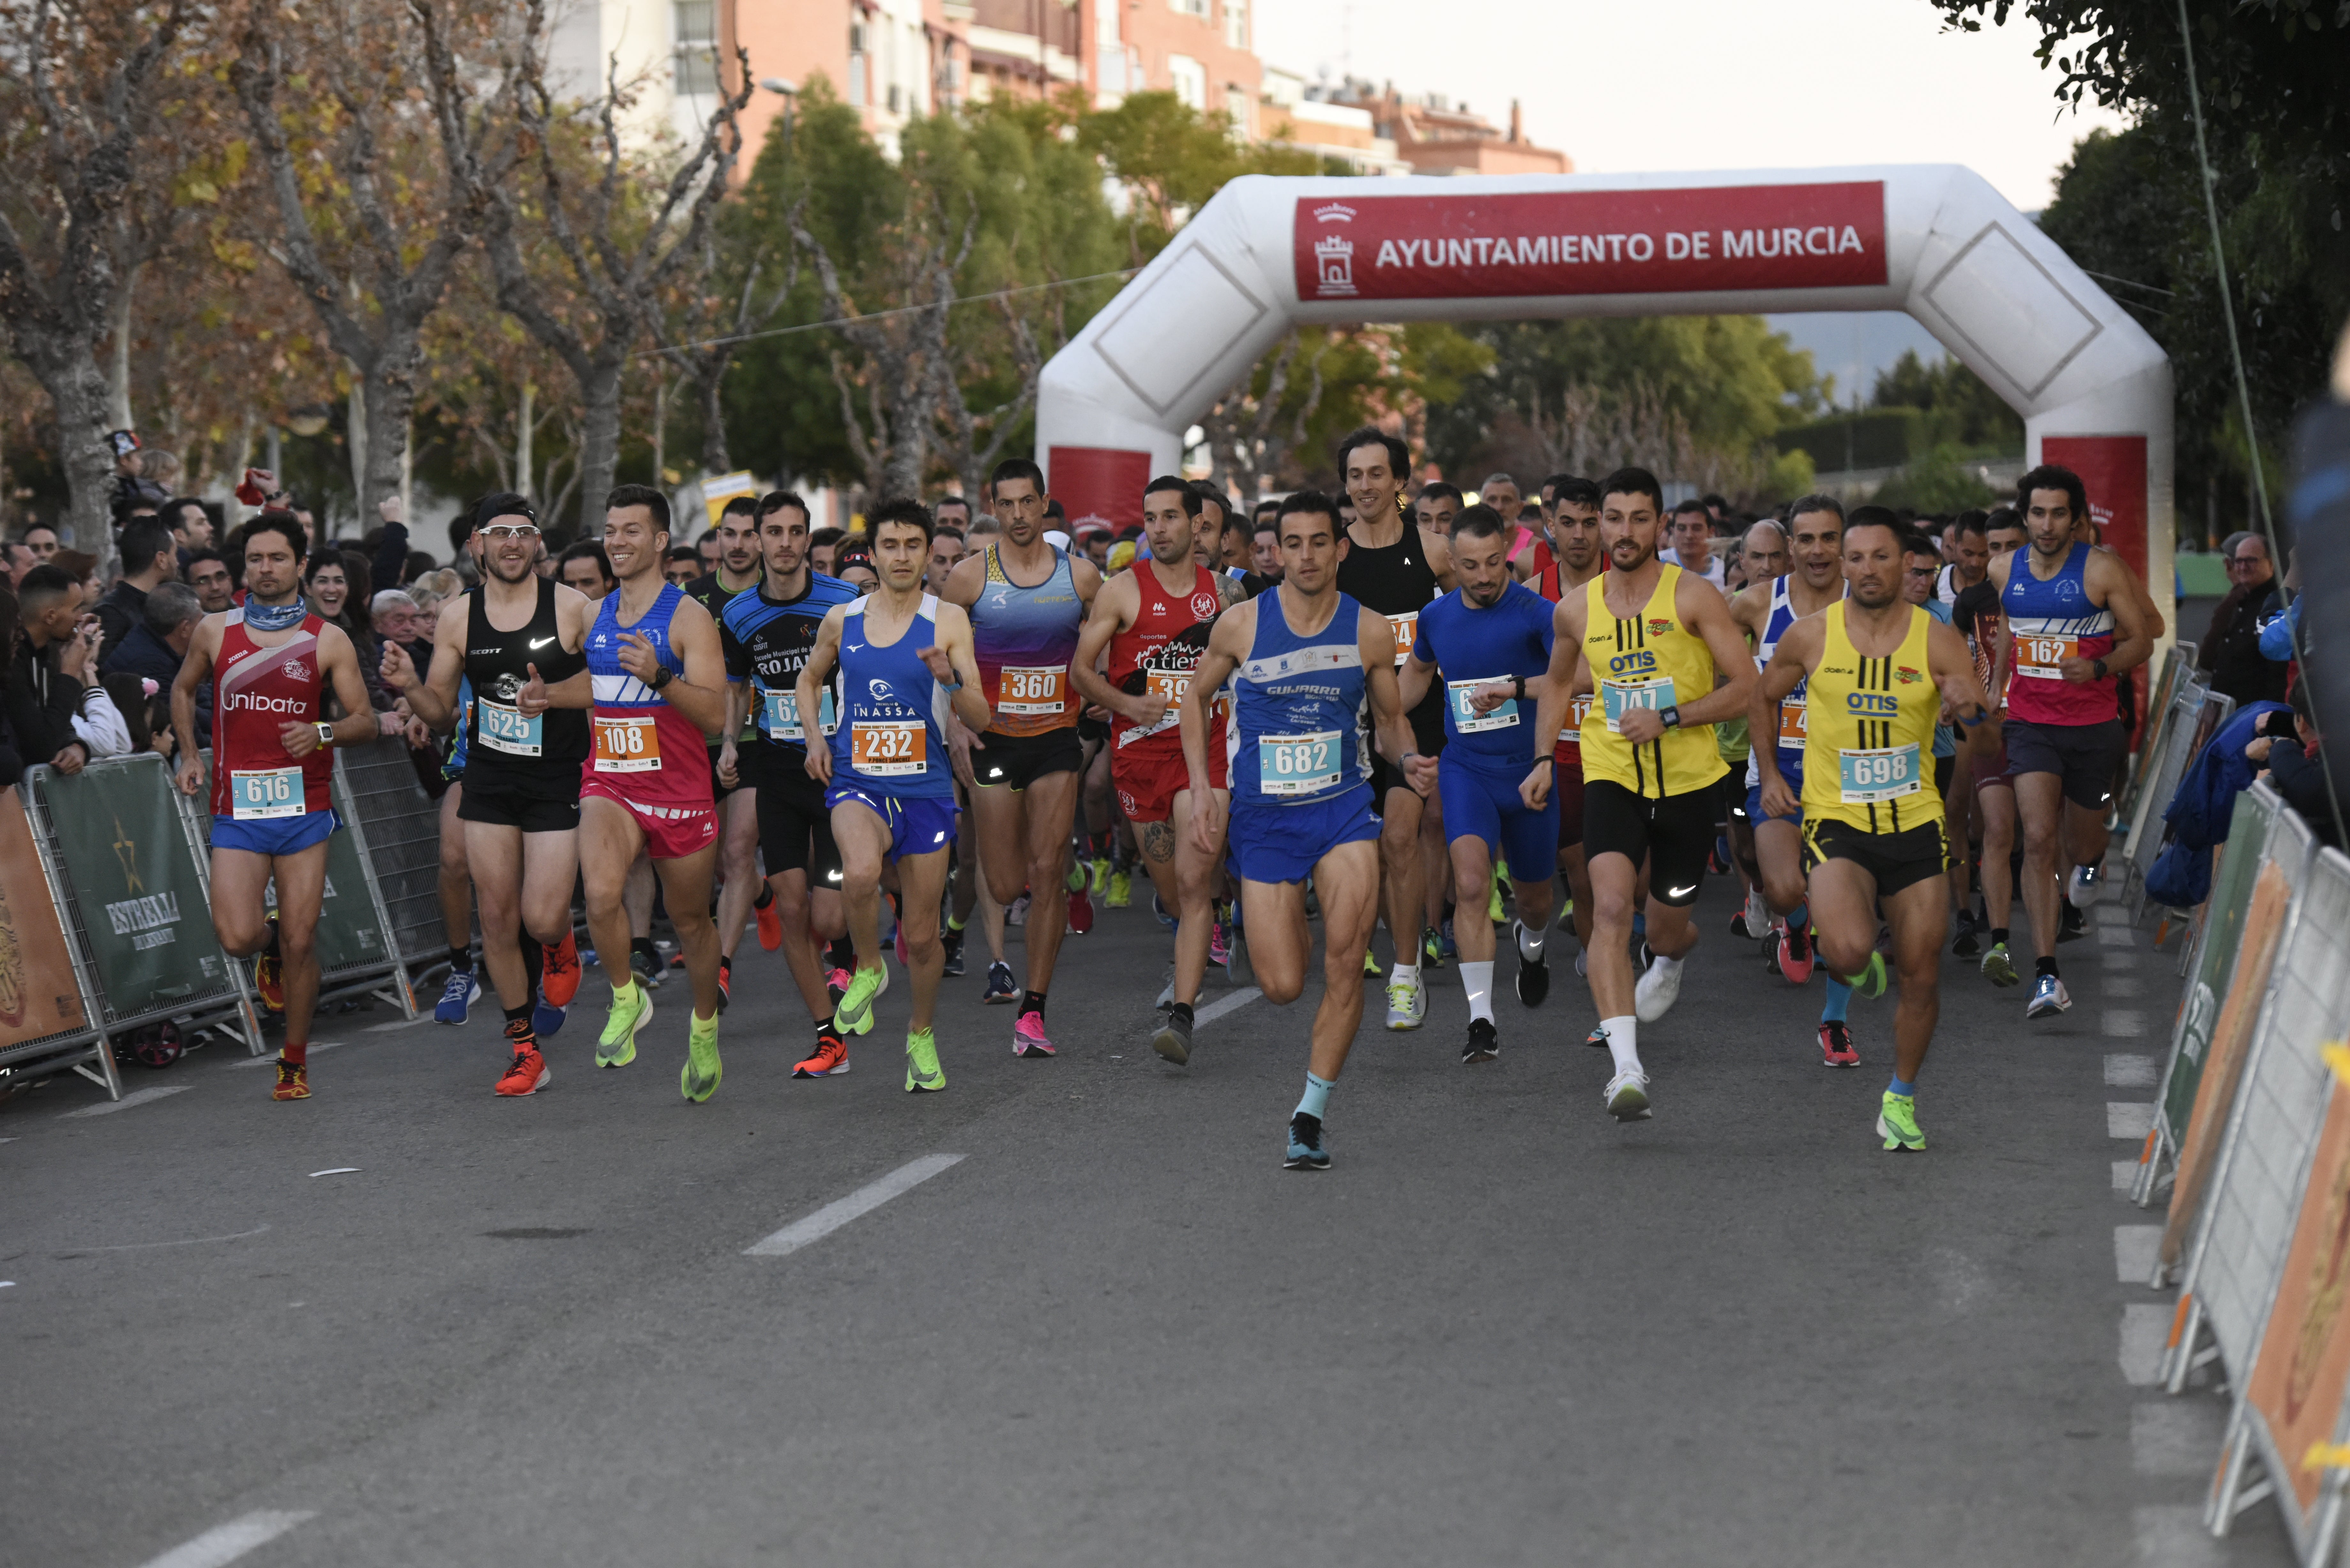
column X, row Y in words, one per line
column 1396, row 581
column 537, row 755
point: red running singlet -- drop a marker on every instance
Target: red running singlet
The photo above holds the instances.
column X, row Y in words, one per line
column 255, row 689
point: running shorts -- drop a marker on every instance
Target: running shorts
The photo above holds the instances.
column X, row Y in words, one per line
column 671, row 832
column 1794, row 774
column 1015, row 762
column 720, row 791
column 1147, row 786
column 915, row 826
column 1993, row 772
column 280, row 836
column 795, row 831
column 1897, row 860
column 512, row 808
column 1479, row 803
column 1566, row 788
column 1284, row 843
column 2084, row 756
column 1673, row 832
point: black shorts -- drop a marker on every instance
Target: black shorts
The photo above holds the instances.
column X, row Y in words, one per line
column 2086, row 756
column 486, row 803
column 794, row 829
column 1015, row 762
column 1673, row 832
column 718, row 791
column 1092, row 732
column 1897, row 860
column 1945, row 769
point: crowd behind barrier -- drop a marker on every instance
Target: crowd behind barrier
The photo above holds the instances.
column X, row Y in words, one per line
column 123, row 946
column 2250, row 1141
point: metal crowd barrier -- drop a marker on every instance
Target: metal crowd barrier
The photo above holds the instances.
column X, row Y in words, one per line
column 2160, row 767
column 404, row 840
column 2177, row 668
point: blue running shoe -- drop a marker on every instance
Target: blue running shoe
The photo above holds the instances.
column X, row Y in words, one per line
column 457, row 997
column 1305, row 1150
column 546, row 1018
column 2049, row 998
column 1160, row 910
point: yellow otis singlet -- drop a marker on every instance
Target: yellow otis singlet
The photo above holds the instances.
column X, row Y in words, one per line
column 1650, row 660
column 1868, row 759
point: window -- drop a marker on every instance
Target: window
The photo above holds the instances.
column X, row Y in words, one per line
column 1236, row 24
column 1236, row 109
column 1190, row 7
column 857, row 57
column 1188, row 78
column 696, row 27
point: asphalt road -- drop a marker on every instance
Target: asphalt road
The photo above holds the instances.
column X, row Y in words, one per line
column 1502, row 1329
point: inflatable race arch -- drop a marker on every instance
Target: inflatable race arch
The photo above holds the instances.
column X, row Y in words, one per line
column 1269, row 254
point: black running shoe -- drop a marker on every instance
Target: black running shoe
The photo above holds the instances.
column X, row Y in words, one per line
column 1967, row 944
column 1305, row 1150
column 1485, row 1042
column 1534, row 977
column 2071, row 925
column 954, row 945
column 1173, row 1040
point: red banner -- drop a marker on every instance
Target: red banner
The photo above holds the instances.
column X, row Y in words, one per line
column 1097, row 483
column 1519, row 243
column 2113, row 470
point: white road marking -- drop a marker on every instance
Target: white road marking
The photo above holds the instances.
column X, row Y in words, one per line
column 399, row 1023
column 315, row 1046
column 815, row 1227
column 2134, row 1248
column 2113, row 936
column 1222, row 1005
column 190, row 1241
column 2143, row 1331
column 2122, row 988
column 2123, row 1023
column 2174, row 1537
column 2116, row 963
column 135, row 1098
column 227, row 1542
column 2132, row 1119
column 338, row 1170
column 2130, row 1072
column 2125, row 1175
column 2174, row 1438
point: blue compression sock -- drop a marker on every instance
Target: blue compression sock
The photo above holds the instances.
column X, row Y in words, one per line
column 1839, row 1001
column 1640, row 924
column 1317, row 1097
column 1899, row 1087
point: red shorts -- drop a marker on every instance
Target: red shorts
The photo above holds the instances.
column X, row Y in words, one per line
column 1992, row 771
column 1566, row 785
column 671, row 832
column 1147, row 784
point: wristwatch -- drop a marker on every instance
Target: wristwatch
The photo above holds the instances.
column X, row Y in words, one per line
column 2101, row 668
column 1671, row 716
column 1518, row 685
column 662, row 678
column 325, row 734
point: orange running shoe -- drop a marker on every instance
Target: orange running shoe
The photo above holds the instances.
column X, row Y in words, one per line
column 293, row 1081
column 528, row 1073
column 771, row 922
column 831, row 1058
column 269, row 979
column 560, row 978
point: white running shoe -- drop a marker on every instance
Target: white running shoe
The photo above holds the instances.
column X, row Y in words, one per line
column 1582, row 965
column 2085, row 886
column 1407, row 1005
column 1660, row 986
column 1627, row 1097
column 1758, row 913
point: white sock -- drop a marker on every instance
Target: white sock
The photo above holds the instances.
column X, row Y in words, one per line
column 1624, row 1042
column 1664, row 968
column 1477, row 979
column 1404, row 974
column 1530, row 939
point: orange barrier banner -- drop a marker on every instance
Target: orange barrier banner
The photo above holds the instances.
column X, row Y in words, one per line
column 2303, row 1372
column 38, row 993
column 2223, row 1063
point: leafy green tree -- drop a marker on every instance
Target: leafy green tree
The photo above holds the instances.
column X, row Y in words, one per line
column 1961, row 409
column 1172, row 159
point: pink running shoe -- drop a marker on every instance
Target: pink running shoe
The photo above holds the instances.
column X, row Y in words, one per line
column 1220, row 952
column 1028, row 1036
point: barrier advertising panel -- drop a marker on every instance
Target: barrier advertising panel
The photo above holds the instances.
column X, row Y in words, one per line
column 125, row 857
column 39, row 995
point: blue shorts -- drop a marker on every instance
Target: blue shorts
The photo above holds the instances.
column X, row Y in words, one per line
column 275, row 836
column 1479, row 803
column 1284, row 843
column 915, row 826
column 1793, row 771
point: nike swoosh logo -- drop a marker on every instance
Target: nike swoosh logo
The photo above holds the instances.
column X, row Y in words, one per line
column 1682, row 892
column 539, row 643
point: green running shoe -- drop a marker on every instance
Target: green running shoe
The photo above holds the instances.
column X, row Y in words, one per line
column 699, row 1081
column 1076, row 881
column 1896, row 1122
column 1869, row 983
column 1493, row 908
column 617, row 1046
column 855, row 1013
column 922, row 1069
column 1431, row 949
column 1999, row 966
column 1370, row 965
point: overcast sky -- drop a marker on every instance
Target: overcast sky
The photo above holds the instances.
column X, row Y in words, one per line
column 1710, row 84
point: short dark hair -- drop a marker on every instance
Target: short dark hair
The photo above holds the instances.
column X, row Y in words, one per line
column 1970, row 523
column 1816, row 502
column 1479, row 522
column 1632, row 482
column 1399, row 454
column 176, row 508
column 1211, row 496
column 143, row 539
column 1239, row 522
column 777, row 501
column 1178, row 484
column 909, row 514
column 1711, row 501
column 1439, row 489
column 743, row 506
column 43, row 584
column 682, row 553
column 949, row 501
column 202, row 553
column 587, row 550
column 2053, row 476
column 643, row 495
column 1877, row 517
column 1690, row 507
column 1309, row 500
column 1570, row 487
column 1010, row 468
column 2003, row 517
column 1270, row 503
column 275, row 521
column 36, row 526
